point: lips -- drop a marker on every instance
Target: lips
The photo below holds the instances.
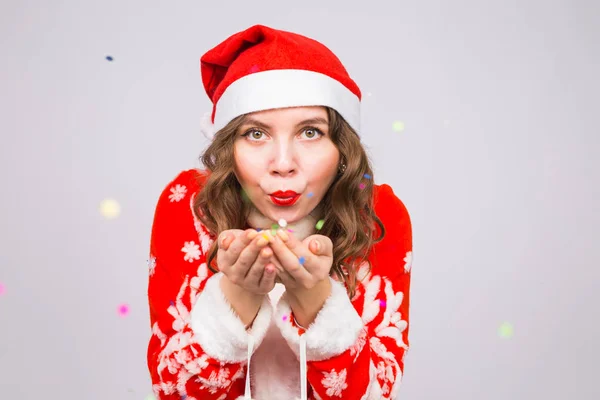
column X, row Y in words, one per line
column 279, row 200
column 284, row 195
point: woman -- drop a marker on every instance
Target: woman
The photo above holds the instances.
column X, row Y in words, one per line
column 305, row 292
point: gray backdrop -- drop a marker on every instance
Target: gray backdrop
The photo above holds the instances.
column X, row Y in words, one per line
column 497, row 164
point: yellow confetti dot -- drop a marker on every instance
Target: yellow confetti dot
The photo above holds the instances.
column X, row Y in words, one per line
column 505, row 331
column 398, row 126
column 110, row 208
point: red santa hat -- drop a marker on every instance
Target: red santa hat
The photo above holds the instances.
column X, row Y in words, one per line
column 262, row 68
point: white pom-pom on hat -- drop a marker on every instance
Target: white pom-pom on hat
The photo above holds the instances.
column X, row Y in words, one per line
column 206, row 126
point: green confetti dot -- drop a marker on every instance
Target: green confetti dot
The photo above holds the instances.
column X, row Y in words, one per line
column 150, row 397
column 398, row 126
column 505, row 331
column 320, row 224
column 245, row 197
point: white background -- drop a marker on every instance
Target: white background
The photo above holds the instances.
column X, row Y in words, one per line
column 497, row 166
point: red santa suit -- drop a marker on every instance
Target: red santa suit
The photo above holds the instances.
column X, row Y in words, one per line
column 200, row 349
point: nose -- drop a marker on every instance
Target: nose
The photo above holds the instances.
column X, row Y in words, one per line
column 284, row 163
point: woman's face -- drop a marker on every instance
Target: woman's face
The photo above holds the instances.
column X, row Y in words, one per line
column 287, row 149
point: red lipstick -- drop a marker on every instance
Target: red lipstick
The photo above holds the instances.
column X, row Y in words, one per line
column 287, row 198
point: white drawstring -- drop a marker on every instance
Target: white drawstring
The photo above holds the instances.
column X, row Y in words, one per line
column 303, row 377
column 247, row 393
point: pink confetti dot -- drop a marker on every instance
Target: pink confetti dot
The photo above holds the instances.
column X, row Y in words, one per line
column 2, row 289
column 285, row 317
column 362, row 186
column 123, row 310
column 382, row 303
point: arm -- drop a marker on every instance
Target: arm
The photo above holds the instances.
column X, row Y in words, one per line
column 355, row 349
column 198, row 346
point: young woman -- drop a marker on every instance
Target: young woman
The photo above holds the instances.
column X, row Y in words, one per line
column 281, row 271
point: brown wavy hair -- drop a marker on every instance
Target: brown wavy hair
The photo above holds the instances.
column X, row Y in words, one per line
column 349, row 216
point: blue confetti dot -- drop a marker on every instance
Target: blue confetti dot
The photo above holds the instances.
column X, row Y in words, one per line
column 172, row 303
column 109, row 58
column 310, row 194
column 367, row 176
column 301, row 260
column 259, row 229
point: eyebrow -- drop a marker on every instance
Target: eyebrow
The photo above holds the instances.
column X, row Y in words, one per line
column 313, row 121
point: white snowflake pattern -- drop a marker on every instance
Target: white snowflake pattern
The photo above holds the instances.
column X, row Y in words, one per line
column 359, row 344
column 203, row 233
column 177, row 193
column 408, row 260
column 151, row 265
column 335, row 382
column 217, row 380
column 191, row 250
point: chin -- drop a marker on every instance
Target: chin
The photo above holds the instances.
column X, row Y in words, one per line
column 290, row 214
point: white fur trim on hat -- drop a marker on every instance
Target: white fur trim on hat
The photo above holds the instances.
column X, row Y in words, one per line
column 219, row 331
column 206, row 126
column 281, row 88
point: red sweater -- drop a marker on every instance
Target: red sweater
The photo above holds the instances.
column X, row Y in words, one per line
column 199, row 348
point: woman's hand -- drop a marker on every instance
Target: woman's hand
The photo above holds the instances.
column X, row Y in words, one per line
column 302, row 264
column 244, row 258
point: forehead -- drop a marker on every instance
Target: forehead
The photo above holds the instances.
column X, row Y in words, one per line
column 288, row 116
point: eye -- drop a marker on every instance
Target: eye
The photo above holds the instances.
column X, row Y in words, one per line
column 250, row 133
column 254, row 134
column 315, row 132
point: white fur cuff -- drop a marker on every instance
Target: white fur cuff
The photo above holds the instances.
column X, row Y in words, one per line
column 218, row 329
column 335, row 329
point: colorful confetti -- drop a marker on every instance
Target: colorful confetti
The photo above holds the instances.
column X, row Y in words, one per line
column 505, row 331
column 362, row 186
column 382, row 303
column 123, row 310
column 285, row 317
column 309, row 195
column 301, row 259
column 109, row 58
column 110, row 208
column 150, row 397
column 244, row 195
column 254, row 68
column 2, row 289
column 398, row 126
column 319, row 224
column 282, row 223
column 367, row 176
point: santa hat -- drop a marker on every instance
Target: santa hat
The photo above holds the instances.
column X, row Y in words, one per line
column 263, row 68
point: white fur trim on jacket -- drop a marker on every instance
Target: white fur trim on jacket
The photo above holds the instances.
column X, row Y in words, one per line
column 219, row 330
column 335, row 329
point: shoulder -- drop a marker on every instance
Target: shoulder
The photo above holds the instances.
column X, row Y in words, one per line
column 174, row 208
column 388, row 206
column 397, row 242
column 184, row 183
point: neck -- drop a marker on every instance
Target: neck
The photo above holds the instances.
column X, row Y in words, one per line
column 301, row 229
